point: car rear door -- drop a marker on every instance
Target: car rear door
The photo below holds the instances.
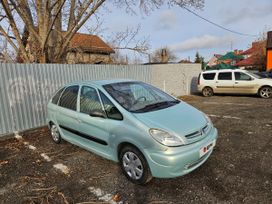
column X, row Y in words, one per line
column 67, row 115
column 224, row 82
column 244, row 83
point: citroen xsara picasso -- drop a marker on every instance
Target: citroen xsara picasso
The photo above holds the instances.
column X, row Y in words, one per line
column 147, row 131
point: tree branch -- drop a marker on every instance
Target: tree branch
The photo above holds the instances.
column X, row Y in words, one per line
column 8, row 38
column 15, row 29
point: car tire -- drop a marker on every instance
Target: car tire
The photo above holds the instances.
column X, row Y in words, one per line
column 55, row 134
column 265, row 92
column 134, row 165
column 207, row 91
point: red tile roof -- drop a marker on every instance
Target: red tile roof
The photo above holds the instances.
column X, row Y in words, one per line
column 250, row 61
column 90, row 43
column 255, row 46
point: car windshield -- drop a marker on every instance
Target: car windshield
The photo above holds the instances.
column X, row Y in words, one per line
column 138, row 97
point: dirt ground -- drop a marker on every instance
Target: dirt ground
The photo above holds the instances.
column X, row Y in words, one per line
column 238, row 171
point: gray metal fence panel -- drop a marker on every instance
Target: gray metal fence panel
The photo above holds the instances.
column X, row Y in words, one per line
column 25, row 89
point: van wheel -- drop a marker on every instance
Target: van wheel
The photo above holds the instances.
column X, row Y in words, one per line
column 134, row 165
column 207, row 92
column 55, row 133
column 265, row 92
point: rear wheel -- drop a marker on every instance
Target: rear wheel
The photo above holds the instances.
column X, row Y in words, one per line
column 207, row 92
column 134, row 165
column 266, row 92
column 55, row 133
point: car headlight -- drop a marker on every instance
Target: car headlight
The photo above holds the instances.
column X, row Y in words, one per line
column 165, row 138
column 208, row 119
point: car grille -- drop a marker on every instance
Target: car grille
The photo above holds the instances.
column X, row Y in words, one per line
column 203, row 131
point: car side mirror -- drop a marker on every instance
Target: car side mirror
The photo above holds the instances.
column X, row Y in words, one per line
column 97, row 113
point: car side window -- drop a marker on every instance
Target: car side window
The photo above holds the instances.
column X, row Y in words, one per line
column 110, row 109
column 89, row 100
column 209, row 76
column 225, row 76
column 56, row 97
column 239, row 76
column 69, row 98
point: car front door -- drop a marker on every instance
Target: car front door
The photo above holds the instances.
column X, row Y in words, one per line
column 224, row 82
column 244, row 83
column 67, row 115
column 94, row 127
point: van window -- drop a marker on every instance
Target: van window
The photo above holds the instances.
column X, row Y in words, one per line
column 69, row 97
column 209, row 76
column 225, row 76
column 239, row 76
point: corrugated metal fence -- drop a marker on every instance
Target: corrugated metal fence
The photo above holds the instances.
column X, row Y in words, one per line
column 26, row 88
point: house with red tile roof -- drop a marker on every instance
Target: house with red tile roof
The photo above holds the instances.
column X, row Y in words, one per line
column 250, row 61
column 214, row 60
column 88, row 49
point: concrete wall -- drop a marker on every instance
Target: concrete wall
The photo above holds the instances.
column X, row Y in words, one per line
column 176, row 79
column 25, row 89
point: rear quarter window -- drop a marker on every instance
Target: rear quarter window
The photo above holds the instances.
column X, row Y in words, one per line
column 69, row 98
column 209, row 76
column 55, row 98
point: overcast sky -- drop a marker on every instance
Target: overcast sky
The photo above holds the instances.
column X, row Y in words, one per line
column 185, row 33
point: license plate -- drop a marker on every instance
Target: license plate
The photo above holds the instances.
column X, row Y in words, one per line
column 204, row 150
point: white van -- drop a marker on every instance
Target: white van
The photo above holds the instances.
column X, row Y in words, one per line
column 233, row 81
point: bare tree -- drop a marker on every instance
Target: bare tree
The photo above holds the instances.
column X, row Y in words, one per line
column 163, row 55
column 36, row 26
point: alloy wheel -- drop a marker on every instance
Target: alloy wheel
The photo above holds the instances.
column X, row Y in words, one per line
column 132, row 165
column 266, row 92
column 207, row 91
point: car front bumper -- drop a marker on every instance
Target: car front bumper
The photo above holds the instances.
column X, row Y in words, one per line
column 177, row 161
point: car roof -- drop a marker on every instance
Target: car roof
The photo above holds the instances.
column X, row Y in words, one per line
column 101, row 82
column 222, row 70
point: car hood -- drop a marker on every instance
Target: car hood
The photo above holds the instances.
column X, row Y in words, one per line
column 180, row 119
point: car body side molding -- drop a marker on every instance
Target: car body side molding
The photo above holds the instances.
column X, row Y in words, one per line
column 89, row 137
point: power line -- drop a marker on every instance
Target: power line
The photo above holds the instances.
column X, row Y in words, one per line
column 219, row 26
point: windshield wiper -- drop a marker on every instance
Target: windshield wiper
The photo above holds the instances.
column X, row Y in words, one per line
column 160, row 105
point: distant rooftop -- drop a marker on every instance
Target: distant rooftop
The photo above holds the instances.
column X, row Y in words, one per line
column 89, row 43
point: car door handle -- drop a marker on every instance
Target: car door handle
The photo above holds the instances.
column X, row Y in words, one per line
column 78, row 120
column 236, row 82
column 216, row 82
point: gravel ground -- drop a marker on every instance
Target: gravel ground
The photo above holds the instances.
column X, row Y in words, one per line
column 35, row 170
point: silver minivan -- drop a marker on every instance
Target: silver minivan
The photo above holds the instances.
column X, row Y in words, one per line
column 233, row 82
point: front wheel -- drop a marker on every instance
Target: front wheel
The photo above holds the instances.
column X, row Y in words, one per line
column 134, row 165
column 265, row 92
column 207, row 92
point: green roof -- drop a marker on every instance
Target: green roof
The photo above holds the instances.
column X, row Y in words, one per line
column 220, row 66
column 231, row 56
